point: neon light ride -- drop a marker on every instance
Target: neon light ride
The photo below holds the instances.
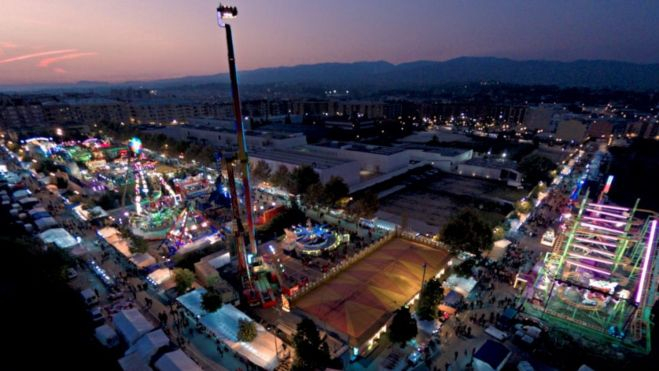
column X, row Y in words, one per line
column 600, row 278
column 311, row 239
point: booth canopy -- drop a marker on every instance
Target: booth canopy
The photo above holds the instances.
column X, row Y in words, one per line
column 176, row 361
column 45, row 223
column 143, row 260
column 60, row 237
column 131, row 324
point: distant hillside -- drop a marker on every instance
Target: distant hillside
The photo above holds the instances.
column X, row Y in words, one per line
column 591, row 74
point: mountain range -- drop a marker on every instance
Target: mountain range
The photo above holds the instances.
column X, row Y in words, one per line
column 581, row 73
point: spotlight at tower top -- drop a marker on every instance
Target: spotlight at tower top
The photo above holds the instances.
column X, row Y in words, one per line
column 135, row 145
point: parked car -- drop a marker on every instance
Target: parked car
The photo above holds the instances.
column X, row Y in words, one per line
column 97, row 314
column 89, row 297
column 71, row 273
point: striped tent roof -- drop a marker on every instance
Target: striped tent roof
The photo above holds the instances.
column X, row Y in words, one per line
column 360, row 300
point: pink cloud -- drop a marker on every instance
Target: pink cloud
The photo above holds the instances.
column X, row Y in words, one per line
column 36, row 55
column 6, row 45
column 48, row 61
column 59, row 70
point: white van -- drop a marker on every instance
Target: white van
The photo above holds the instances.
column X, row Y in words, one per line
column 496, row 333
column 89, row 297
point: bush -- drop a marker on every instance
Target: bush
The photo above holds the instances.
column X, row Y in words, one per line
column 246, row 330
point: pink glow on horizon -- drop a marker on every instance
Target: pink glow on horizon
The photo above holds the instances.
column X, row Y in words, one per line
column 646, row 262
column 48, row 61
column 36, row 55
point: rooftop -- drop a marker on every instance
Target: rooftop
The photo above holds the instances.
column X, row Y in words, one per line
column 444, row 151
column 497, row 163
column 360, row 300
column 358, row 147
column 299, row 156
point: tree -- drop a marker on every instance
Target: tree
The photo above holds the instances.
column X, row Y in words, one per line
column 498, row 233
column 138, row 244
column 465, row 269
column 246, row 330
column 302, row 178
column 335, row 189
column 535, row 168
column 261, row 171
column 523, row 206
column 430, row 297
column 62, row 183
column 366, row 206
column 403, row 327
column 184, row 279
column 315, row 195
column 312, row 351
column 467, row 232
column 211, row 301
column 282, row 178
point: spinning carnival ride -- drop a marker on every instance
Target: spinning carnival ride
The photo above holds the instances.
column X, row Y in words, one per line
column 601, row 276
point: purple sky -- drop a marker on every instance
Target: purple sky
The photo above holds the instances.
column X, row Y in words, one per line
column 117, row 40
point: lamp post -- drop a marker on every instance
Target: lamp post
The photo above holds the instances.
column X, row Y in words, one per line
column 423, row 277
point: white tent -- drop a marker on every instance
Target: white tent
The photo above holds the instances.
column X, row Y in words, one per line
column 131, row 324
column 461, row 285
column 21, row 194
column 498, row 250
column 143, row 260
column 45, row 223
column 223, row 323
column 107, row 232
column 176, row 361
column 106, row 336
column 160, row 275
column 60, row 237
column 133, row 362
column 149, row 344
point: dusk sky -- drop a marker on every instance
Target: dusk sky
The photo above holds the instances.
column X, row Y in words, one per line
column 117, row 40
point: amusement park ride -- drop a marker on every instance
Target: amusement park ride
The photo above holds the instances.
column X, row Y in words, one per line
column 601, row 276
column 255, row 276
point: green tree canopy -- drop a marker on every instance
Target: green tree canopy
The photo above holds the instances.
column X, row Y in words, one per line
column 261, row 171
column 211, row 300
column 138, row 244
column 535, row 168
column 246, row 330
column 467, row 232
column 312, row 351
column 184, row 279
column 430, row 297
column 282, row 178
column 465, row 269
column 403, row 327
column 335, row 189
column 302, row 178
column 315, row 195
column 365, row 206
